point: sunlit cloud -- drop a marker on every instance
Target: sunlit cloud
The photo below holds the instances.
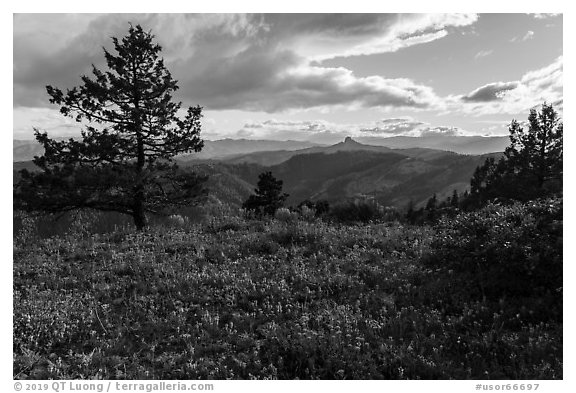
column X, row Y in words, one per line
column 329, row 132
column 533, row 88
column 248, row 62
column 483, row 53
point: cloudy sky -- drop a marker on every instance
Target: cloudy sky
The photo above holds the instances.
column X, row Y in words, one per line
column 315, row 77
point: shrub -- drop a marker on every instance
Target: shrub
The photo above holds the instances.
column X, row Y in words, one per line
column 83, row 222
column 355, row 212
column 221, row 218
column 176, row 220
column 285, row 215
column 319, row 208
column 261, row 299
column 511, row 250
column 307, row 213
column 25, row 227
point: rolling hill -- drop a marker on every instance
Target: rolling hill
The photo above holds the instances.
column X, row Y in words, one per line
column 351, row 170
column 347, row 170
column 25, row 150
column 271, row 158
column 391, row 178
column 269, row 152
column 459, row 144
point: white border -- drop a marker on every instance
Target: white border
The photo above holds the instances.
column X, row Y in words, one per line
column 110, row 6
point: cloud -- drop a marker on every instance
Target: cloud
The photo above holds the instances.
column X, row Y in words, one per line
column 257, row 62
column 308, row 87
column 390, row 33
column 441, row 131
column 306, row 130
column 545, row 15
column 528, row 36
column 56, row 49
column 26, row 119
column 533, row 88
column 393, row 127
column 329, row 132
column 483, row 53
column 489, row 92
column 268, row 81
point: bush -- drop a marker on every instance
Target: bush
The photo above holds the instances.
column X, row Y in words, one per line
column 320, row 208
column 261, row 299
column 307, row 214
column 511, row 250
column 176, row 220
column 355, row 212
column 285, row 215
column 25, row 227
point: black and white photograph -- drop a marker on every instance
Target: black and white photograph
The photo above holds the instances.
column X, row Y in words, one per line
column 287, row 196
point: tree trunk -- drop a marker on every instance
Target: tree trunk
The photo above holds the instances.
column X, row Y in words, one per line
column 139, row 215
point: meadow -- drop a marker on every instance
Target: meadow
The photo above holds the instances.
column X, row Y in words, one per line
column 475, row 296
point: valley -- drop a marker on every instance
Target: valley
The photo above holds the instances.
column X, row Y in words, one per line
column 348, row 170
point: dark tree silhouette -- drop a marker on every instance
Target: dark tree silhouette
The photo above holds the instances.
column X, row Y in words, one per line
column 431, row 207
column 535, row 155
column 532, row 163
column 454, row 201
column 268, row 197
column 124, row 161
column 410, row 212
column 488, row 181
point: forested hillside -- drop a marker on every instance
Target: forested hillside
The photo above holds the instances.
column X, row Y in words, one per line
column 391, row 177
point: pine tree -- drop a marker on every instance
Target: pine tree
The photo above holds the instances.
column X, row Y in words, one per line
column 123, row 163
column 531, row 166
column 535, row 155
column 430, row 208
column 410, row 213
column 454, row 201
column 431, row 203
column 268, row 197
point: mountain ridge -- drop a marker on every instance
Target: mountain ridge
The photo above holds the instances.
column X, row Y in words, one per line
column 25, row 150
column 391, row 178
column 344, row 171
column 269, row 158
column 469, row 144
column 239, row 150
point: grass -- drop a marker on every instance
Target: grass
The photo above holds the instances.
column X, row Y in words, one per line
column 245, row 299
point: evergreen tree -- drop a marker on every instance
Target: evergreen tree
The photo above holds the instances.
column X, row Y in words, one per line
column 535, row 155
column 431, row 204
column 410, row 213
column 454, row 201
column 124, row 161
column 489, row 181
column 430, row 208
column 532, row 163
column 268, row 197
